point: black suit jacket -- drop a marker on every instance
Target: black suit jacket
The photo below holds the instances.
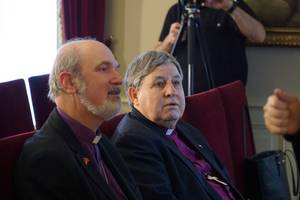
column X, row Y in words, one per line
column 160, row 169
column 51, row 166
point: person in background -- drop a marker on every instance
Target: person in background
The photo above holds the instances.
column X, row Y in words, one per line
column 69, row 158
column 226, row 25
column 168, row 157
column 282, row 117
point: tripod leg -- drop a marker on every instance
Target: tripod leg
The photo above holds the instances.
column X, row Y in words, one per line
column 190, row 55
column 204, row 53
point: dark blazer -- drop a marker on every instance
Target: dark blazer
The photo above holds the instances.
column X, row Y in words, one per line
column 51, row 166
column 160, row 169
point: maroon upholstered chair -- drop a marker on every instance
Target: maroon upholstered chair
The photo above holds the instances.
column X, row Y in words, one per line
column 10, row 148
column 236, row 110
column 108, row 127
column 15, row 115
column 42, row 105
column 205, row 111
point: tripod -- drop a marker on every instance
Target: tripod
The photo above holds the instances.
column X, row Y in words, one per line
column 190, row 19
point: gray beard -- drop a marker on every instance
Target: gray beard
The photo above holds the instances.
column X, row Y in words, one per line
column 105, row 111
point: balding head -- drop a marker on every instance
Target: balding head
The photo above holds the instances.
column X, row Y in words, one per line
column 85, row 82
column 70, row 57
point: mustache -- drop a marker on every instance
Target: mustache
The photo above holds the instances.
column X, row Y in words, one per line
column 114, row 91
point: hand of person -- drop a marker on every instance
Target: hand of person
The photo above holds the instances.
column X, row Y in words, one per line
column 282, row 113
column 174, row 29
column 167, row 43
column 218, row 4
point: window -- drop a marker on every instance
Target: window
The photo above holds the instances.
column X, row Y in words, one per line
column 28, row 38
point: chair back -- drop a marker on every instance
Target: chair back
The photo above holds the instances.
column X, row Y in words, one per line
column 15, row 110
column 10, row 148
column 239, row 126
column 108, row 127
column 205, row 111
column 42, row 105
column 222, row 116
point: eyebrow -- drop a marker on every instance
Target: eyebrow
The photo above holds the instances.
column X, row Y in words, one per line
column 174, row 77
column 109, row 63
column 177, row 76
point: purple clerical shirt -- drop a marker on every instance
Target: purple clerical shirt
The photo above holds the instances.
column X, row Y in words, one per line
column 85, row 136
column 201, row 165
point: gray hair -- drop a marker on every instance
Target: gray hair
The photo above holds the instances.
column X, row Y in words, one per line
column 67, row 59
column 144, row 64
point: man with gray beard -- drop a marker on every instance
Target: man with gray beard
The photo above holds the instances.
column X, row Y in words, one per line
column 68, row 158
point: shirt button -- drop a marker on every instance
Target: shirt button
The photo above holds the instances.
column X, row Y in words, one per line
column 200, row 146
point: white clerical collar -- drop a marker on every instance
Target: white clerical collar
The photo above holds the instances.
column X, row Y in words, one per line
column 169, row 131
column 97, row 138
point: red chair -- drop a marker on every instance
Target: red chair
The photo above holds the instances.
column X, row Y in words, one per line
column 42, row 105
column 15, row 110
column 108, row 127
column 205, row 111
column 237, row 116
column 10, row 148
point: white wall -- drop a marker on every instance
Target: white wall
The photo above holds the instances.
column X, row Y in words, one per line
column 135, row 25
column 269, row 68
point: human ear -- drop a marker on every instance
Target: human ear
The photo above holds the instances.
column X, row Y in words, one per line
column 67, row 82
column 133, row 95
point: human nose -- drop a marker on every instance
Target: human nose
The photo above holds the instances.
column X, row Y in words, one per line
column 117, row 77
column 170, row 89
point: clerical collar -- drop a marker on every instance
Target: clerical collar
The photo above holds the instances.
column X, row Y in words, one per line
column 135, row 112
column 97, row 138
column 169, row 131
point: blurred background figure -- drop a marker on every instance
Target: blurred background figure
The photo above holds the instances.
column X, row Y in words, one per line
column 226, row 25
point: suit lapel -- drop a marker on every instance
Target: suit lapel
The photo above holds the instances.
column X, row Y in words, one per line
column 95, row 176
column 154, row 129
column 201, row 148
column 124, row 184
column 189, row 164
column 67, row 135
